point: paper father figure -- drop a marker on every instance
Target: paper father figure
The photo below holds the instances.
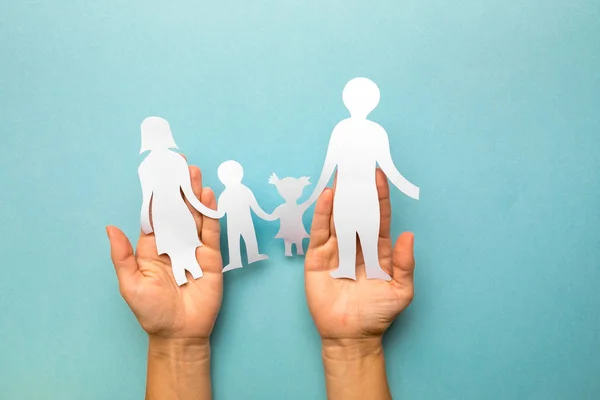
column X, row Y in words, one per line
column 356, row 146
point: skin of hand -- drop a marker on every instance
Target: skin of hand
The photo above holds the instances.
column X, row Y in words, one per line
column 351, row 316
column 178, row 319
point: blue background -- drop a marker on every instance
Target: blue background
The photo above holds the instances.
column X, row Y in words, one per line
column 493, row 109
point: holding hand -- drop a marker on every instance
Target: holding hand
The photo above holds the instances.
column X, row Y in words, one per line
column 351, row 316
column 178, row 319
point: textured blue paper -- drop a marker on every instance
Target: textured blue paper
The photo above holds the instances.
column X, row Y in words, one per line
column 492, row 107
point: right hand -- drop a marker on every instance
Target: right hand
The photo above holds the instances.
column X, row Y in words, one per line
column 164, row 309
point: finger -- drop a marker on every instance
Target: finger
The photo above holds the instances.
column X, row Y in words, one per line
column 385, row 206
column 211, row 228
column 146, row 214
column 385, row 251
column 121, row 253
column 142, row 233
column 404, row 259
column 331, row 222
column 361, row 270
column 320, row 230
column 196, row 180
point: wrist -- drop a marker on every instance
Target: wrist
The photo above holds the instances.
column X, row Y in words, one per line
column 185, row 350
column 178, row 368
column 351, row 349
column 355, row 369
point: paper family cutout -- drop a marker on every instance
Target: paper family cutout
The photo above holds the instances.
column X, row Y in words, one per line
column 357, row 145
column 237, row 202
column 291, row 227
column 164, row 175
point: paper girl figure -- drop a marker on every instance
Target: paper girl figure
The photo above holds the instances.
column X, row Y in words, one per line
column 237, row 202
column 164, row 174
column 291, row 227
column 356, row 146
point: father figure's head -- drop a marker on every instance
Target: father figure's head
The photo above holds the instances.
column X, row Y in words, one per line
column 360, row 96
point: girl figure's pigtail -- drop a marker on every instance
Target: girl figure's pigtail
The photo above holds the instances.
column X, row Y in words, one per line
column 273, row 180
column 305, row 180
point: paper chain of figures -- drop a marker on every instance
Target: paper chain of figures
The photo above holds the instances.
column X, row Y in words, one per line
column 356, row 146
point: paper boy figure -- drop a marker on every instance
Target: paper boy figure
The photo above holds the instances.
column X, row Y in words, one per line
column 237, row 202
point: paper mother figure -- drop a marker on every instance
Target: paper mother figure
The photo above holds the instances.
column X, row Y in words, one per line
column 164, row 175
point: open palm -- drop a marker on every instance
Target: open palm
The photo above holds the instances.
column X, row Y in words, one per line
column 349, row 309
column 147, row 284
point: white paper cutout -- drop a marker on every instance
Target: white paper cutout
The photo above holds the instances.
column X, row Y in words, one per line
column 164, row 175
column 291, row 227
column 356, row 146
column 237, row 202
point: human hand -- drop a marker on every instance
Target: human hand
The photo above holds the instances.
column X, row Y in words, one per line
column 164, row 309
column 349, row 312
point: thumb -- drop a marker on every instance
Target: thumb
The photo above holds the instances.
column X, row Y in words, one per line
column 121, row 253
column 404, row 259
